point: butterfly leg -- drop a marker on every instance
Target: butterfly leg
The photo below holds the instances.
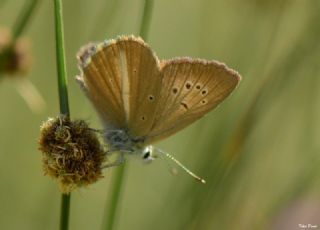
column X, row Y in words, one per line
column 120, row 160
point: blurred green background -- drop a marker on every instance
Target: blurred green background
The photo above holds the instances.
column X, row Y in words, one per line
column 258, row 151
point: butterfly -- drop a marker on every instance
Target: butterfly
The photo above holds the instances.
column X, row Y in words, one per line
column 141, row 99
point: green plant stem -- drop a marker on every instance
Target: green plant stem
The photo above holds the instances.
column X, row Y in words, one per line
column 146, row 19
column 24, row 18
column 113, row 201
column 60, row 54
column 65, row 210
column 118, row 182
column 63, row 97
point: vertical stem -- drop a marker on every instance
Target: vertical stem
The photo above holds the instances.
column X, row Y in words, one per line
column 113, row 202
column 65, row 210
column 112, row 205
column 24, row 18
column 146, row 19
column 60, row 54
column 63, row 97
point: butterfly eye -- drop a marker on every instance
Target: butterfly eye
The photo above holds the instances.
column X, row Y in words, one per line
column 146, row 155
column 188, row 85
column 174, row 90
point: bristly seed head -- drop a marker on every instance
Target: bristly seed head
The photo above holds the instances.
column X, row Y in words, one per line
column 15, row 56
column 72, row 153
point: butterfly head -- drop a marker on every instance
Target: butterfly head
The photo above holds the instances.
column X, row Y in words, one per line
column 148, row 154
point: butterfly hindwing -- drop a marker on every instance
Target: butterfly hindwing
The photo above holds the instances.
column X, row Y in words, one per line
column 191, row 88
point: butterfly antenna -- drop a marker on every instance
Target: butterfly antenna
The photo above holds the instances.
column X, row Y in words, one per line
column 181, row 166
column 171, row 169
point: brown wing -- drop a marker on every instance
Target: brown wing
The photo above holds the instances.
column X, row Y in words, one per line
column 191, row 88
column 123, row 81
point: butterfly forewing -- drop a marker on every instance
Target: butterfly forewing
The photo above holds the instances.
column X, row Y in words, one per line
column 191, row 88
column 144, row 84
column 99, row 77
column 123, row 80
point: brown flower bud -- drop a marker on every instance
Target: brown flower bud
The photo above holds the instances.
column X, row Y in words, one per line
column 72, row 153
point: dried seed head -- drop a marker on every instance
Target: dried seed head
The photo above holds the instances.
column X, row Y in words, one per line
column 72, row 153
column 5, row 38
column 15, row 57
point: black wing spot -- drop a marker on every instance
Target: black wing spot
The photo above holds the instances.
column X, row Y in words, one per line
column 184, row 105
column 204, row 92
column 174, row 90
column 198, row 86
column 143, row 118
column 151, row 97
column 188, row 85
column 204, row 102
